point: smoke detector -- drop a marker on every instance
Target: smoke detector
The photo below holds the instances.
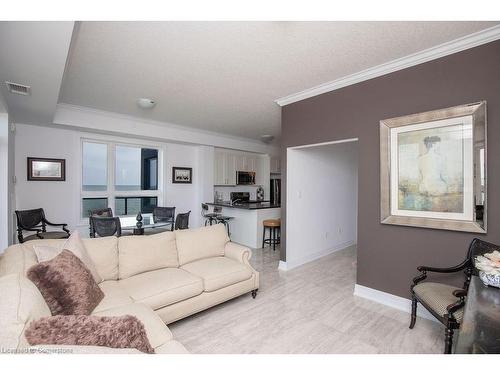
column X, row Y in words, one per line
column 146, row 103
column 267, row 138
column 17, row 88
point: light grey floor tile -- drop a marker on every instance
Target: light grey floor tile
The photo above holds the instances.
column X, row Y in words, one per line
column 310, row 309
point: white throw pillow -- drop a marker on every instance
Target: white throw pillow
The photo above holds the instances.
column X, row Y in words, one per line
column 75, row 245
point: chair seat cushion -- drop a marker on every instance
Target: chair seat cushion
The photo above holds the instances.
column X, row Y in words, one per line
column 161, row 288
column 114, row 296
column 438, row 296
column 46, row 236
column 157, row 331
column 218, row 272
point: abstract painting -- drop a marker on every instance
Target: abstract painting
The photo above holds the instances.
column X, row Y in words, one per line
column 427, row 168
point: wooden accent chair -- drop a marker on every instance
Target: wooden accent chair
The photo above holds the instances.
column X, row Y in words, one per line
column 446, row 302
column 105, row 226
column 35, row 221
column 98, row 212
column 164, row 214
column 182, row 221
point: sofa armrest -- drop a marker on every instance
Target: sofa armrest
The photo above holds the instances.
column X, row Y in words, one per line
column 78, row 349
column 238, row 252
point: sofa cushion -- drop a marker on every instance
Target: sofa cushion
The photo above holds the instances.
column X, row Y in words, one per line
column 111, row 331
column 218, row 272
column 157, row 331
column 19, row 258
column 104, row 253
column 114, row 296
column 138, row 254
column 75, row 245
column 163, row 287
column 20, row 303
column 171, row 347
column 200, row 243
column 66, row 284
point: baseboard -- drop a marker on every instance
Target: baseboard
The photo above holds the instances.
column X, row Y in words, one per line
column 282, row 266
column 290, row 264
column 391, row 300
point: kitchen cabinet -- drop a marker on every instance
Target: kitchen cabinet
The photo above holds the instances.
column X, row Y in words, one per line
column 246, row 162
column 224, row 168
column 228, row 162
column 275, row 165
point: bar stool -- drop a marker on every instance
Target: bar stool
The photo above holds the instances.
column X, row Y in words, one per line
column 210, row 218
column 274, row 226
column 221, row 219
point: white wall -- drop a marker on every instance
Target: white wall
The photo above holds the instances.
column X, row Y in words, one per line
column 322, row 191
column 4, row 180
column 61, row 200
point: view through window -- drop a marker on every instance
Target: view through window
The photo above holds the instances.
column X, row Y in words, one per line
column 123, row 177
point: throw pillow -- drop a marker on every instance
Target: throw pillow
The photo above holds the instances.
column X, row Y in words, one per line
column 74, row 244
column 112, row 331
column 66, row 285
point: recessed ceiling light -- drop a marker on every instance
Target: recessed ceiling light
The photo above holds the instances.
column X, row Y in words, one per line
column 146, row 103
column 267, row 138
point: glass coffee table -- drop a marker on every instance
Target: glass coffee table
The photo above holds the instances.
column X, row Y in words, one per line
column 139, row 227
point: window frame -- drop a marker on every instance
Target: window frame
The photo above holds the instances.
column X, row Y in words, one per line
column 111, row 193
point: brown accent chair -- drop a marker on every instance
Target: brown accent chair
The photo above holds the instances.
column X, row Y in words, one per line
column 98, row 212
column 35, row 221
column 182, row 221
column 164, row 215
column 101, row 226
column 446, row 302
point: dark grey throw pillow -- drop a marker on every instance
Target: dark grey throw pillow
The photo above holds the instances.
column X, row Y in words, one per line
column 66, row 285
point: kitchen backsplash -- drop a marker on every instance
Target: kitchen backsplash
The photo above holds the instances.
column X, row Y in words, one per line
column 227, row 190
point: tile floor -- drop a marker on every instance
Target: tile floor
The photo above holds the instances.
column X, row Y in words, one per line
column 310, row 309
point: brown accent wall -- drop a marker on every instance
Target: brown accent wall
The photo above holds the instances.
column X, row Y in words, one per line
column 387, row 254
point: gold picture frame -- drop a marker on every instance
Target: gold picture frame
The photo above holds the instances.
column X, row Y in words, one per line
column 433, row 169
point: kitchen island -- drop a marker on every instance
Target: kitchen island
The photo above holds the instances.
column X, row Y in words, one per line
column 246, row 226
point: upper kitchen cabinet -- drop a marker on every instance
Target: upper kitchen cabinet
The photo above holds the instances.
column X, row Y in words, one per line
column 224, row 168
column 227, row 162
column 246, row 162
column 275, row 165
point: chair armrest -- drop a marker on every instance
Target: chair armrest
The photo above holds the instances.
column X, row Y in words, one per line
column 54, row 224
column 238, row 252
column 460, row 293
column 457, row 268
column 57, row 225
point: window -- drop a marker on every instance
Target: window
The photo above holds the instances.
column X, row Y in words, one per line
column 123, row 177
column 95, row 168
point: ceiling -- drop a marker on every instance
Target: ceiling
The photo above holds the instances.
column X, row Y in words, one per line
column 216, row 76
column 34, row 54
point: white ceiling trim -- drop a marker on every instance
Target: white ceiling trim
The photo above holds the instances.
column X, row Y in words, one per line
column 469, row 41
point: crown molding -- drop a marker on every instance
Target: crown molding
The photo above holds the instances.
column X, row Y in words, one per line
column 469, row 41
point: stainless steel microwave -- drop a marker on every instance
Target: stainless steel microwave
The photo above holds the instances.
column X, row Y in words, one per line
column 245, row 178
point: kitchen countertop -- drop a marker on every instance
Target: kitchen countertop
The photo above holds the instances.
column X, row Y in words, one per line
column 247, row 206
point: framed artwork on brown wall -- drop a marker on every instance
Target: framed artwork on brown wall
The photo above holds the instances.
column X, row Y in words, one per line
column 182, row 175
column 46, row 169
column 433, row 169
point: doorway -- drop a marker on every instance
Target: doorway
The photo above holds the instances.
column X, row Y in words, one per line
column 322, row 200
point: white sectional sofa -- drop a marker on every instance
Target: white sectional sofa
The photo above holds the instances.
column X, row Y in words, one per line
column 159, row 279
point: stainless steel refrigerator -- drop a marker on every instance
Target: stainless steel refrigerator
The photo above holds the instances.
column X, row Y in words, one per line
column 275, row 191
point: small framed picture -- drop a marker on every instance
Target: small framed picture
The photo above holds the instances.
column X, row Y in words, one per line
column 181, row 175
column 44, row 169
